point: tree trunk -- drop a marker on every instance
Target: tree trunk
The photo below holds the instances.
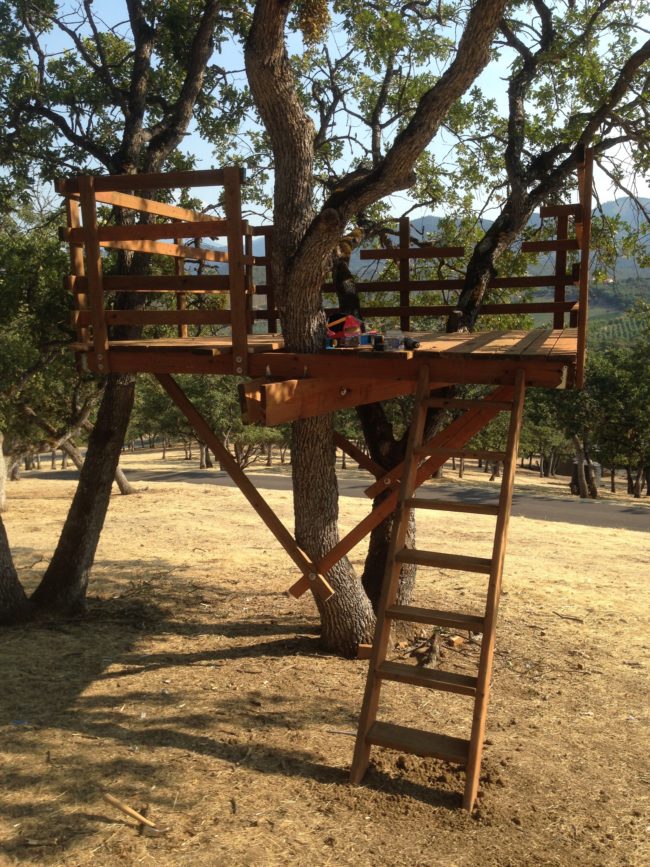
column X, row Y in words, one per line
column 612, row 480
column 630, row 479
column 461, row 468
column 582, row 491
column 14, row 605
column 63, row 588
column 638, row 481
column 347, row 618
column 53, row 460
column 269, row 454
column 14, row 472
column 3, row 476
column 344, row 460
column 496, row 471
column 208, row 459
column 201, row 456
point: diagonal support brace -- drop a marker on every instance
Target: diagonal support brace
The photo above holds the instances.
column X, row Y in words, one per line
column 312, row 579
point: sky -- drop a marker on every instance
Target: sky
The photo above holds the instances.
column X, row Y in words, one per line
column 491, row 81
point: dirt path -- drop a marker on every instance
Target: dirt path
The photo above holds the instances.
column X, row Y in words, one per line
column 197, row 688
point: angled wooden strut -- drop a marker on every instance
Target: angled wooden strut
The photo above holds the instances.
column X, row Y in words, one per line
column 313, row 580
column 456, row 434
column 371, row 732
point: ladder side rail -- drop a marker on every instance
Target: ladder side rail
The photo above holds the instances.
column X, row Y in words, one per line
column 493, row 592
column 390, row 584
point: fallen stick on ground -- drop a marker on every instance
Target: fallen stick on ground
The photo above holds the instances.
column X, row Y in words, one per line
column 569, row 617
column 111, row 799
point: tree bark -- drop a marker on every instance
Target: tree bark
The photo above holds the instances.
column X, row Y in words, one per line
column 63, row 588
column 612, row 480
column 14, row 605
column 583, row 493
column 3, row 476
column 347, row 619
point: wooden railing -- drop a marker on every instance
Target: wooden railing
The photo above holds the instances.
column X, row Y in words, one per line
column 175, row 232
column 572, row 233
column 160, row 229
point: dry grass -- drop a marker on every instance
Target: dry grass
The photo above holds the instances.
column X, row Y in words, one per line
column 196, row 687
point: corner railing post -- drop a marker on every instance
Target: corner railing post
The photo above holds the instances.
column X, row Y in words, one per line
column 94, row 274
column 236, row 273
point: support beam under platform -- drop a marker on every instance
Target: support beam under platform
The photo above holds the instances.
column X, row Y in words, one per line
column 270, row 402
column 312, row 579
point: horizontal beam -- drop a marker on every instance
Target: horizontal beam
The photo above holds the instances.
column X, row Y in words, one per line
column 527, row 282
column 150, row 181
column 178, row 251
column 150, row 231
column 274, row 403
column 149, row 206
column 549, row 246
column 398, row 253
column 156, row 317
column 200, row 284
column 561, row 211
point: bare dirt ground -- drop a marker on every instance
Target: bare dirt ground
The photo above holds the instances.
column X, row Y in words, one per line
column 196, row 688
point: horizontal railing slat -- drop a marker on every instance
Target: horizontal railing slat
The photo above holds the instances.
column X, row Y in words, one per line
column 157, row 317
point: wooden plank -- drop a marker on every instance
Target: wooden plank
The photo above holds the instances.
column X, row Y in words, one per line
column 315, row 581
column 291, row 399
column 158, row 317
column 397, row 253
column 453, row 506
column 150, row 206
column 435, row 617
column 436, row 559
column 199, row 284
column 149, row 181
column 549, row 246
column 415, row 675
column 237, row 277
column 419, row 743
column 362, row 459
column 560, row 211
column 94, row 274
column 162, row 249
column 152, row 231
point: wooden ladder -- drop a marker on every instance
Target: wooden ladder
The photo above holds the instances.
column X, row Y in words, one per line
column 372, row 732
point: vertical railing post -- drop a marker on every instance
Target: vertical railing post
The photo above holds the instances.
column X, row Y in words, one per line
column 181, row 297
column 77, row 266
column 236, row 275
column 404, row 272
column 560, row 270
column 94, row 273
column 585, row 178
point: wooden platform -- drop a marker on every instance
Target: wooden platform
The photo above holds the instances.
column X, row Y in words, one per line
column 340, row 378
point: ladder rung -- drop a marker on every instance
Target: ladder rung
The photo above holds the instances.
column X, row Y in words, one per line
column 460, row 403
column 447, row 681
column 453, row 506
column 478, row 454
column 444, row 561
column 383, row 734
column 450, row 619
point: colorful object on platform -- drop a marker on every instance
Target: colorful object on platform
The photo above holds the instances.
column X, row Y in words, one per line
column 347, row 332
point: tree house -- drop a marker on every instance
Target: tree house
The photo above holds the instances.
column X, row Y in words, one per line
column 162, row 318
